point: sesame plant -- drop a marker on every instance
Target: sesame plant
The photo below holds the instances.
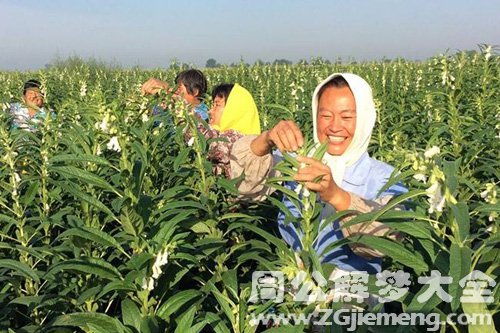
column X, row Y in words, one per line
column 111, row 222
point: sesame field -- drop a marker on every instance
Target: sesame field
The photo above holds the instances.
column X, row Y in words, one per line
column 110, row 222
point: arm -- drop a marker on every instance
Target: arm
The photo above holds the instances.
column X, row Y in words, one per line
column 286, row 136
column 153, row 86
column 256, row 169
column 252, row 155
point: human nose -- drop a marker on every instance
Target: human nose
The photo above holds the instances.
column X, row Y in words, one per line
column 335, row 124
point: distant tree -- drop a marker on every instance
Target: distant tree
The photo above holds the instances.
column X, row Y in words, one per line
column 242, row 63
column 211, row 63
column 259, row 62
column 302, row 62
column 282, row 62
column 73, row 62
column 319, row 61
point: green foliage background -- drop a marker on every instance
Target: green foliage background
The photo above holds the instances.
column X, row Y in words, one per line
column 82, row 227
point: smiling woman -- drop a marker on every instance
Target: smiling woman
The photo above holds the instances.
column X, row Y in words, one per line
column 343, row 118
column 336, row 116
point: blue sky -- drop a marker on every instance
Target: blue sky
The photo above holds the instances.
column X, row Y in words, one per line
column 152, row 33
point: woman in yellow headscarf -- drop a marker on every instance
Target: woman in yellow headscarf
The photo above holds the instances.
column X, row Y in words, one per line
column 233, row 115
column 233, row 108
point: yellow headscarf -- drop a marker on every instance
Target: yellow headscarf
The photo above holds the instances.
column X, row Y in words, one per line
column 240, row 113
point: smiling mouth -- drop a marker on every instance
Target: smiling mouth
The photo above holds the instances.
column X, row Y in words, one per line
column 336, row 139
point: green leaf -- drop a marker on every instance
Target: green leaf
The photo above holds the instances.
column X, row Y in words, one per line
column 230, row 281
column 460, row 266
column 450, row 169
column 228, row 185
column 131, row 221
column 479, row 311
column 429, row 306
column 172, row 304
column 93, row 234
column 138, row 148
column 116, row 285
column 286, row 329
column 226, row 304
column 228, row 216
column 79, row 194
column 99, row 320
column 85, row 176
column 88, row 265
column 217, row 323
column 182, row 204
column 462, row 221
column 181, row 158
column 320, row 151
column 291, row 160
column 417, row 229
column 30, row 193
column 65, row 158
column 130, row 314
column 394, row 250
column 21, row 268
column 29, row 301
column 185, row 321
column 149, row 324
column 169, row 226
column 278, row 242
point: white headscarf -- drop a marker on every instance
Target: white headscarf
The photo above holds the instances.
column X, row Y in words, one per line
column 365, row 120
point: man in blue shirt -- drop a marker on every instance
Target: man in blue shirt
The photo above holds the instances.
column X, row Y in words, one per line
column 191, row 86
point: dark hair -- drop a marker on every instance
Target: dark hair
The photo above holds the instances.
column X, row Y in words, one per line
column 336, row 82
column 30, row 84
column 222, row 90
column 195, row 82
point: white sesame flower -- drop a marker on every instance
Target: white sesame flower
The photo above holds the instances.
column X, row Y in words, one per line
column 114, row 145
column 104, row 125
column 436, row 198
column 298, row 188
column 145, row 118
column 487, row 52
column 148, row 284
column 490, row 194
column 161, row 259
column 190, row 142
column 434, row 150
column 83, row 89
column 420, row 177
column 16, row 177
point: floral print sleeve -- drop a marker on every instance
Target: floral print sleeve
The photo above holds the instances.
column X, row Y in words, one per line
column 219, row 149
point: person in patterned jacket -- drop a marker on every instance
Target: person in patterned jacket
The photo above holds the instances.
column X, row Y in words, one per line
column 31, row 111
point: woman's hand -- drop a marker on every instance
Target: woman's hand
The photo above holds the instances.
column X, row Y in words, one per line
column 317, row 177
column 153, row 86
column 286, row 136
